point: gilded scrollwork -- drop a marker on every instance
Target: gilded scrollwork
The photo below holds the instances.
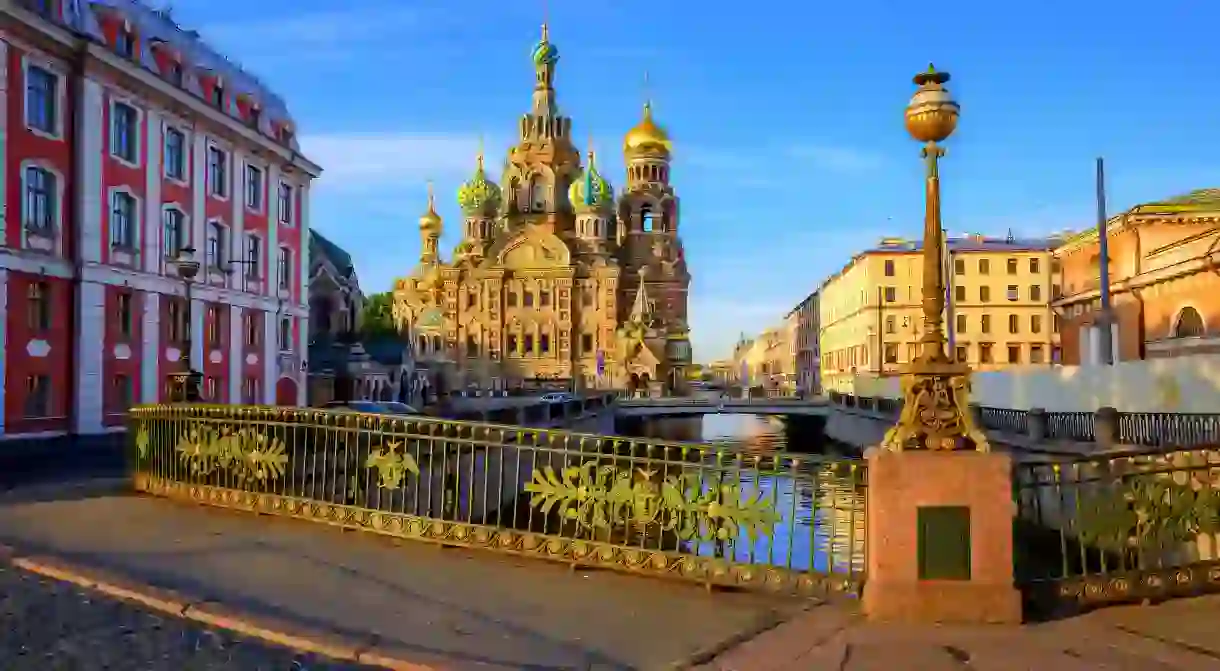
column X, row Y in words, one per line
column 935, row 415
column 246, row 454
column 392, row 463
column 603, row 497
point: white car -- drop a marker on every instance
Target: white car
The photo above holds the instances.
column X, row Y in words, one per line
column 557, row 397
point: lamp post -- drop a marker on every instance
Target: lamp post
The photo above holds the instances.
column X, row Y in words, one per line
column 187, row 384
column 935, row 387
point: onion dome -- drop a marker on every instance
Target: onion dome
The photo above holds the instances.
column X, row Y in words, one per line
column 591, row 192
column 479, row 196
column 647, row 137
column 544, row 52
column 431, row 222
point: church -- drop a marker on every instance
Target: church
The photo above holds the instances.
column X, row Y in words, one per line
column 557, row 276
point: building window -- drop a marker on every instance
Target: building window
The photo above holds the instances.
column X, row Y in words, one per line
column 218, row 172
column 985, row 324
column 285, row 268
column 179, row 320
column 1035, row 323
column 175, row 154
column 891, row 352
column 472, row 346
column 123, row 393
column 1037, row 354
column 544, row 298
column 209, row 388
column 125, row 316
column 586, row 298
column 212, row 338
column 285, row 336
column 254, row 256
column 42, row 100
column 173, row 232
column 39, row 307
column 285, row 203
column 529, row 344
column 123, row 221
column 527, row 299
column 175, row 74
column 512, row 344
column 511, row 299
column 889, row 324
column 984, row 266
column 961, row 324
column 889, row 268
column 249, row 391
column 586, row 342
column 544, row 343
column 959, row 293
column 253, row 327
column 1013, row 324
column 41, row 201
column 214, row 253
column 959, row 266
column 1012, row 266
column 1035, row 292
column 254, row 188
column 891, row 294
column 1056, row 292
column 1014, row 354
column 125, row 44
column 1055, row 323
column 124, row 132
column 218, row 97
column 962, row 353
column 1013, row 292
column 1034, row 266
column 1189, row 324
column 38, row 397
column 984, row 352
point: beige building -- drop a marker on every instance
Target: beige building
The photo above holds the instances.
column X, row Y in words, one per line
column 557, row 277
column 998, row 310
column 805, row 340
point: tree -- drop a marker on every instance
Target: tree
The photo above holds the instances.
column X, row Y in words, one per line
column 377, row 316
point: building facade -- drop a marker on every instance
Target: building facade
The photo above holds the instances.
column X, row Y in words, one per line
column 998, row 308
column 126, row 145
column 556, row 275
column 808, row 320
column 1164, row 267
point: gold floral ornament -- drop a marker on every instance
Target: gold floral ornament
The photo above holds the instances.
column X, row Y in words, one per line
column 605, row 497
column 1150, row 511
column 392, row 465
column 142, row 441
column 247, row 454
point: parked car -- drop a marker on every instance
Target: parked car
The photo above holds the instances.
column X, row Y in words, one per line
column 378, row 407
column 556, row 397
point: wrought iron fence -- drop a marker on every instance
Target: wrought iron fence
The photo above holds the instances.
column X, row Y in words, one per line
column 1174, row 429
column 1106, row 530
column 1075, row 426
column 1003, row 419
column 683, row 510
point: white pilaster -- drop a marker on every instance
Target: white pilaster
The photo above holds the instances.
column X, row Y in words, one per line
column 302, row 324
column 197, row 334
column 237, row 355
column 303, row 270
column 152, row 193
column 3, row 338
column 272, row 285
column 150, row 354
column 199, row 192
column 90, row 340
column 3, row 186
column 237, row 238
column 271, row 355
column 89, row 148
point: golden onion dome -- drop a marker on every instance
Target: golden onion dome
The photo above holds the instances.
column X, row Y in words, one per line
column 479, row 196
column 431, row 222
column 591, row 192
column 647, row 136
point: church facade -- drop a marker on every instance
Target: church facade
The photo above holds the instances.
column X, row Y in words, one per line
column 557, row 275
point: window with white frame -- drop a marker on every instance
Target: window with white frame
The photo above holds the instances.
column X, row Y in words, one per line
column 175, row 154
column 285, row 268
column 218, row 172
column 285, row 339
column 285, row 203
column 214, row 254
column 124, row 132
column 254, row 187
column 125, row 44
column 254, row 256
column 173, row 231
column 41, row 201
column 122, row 220
column 42, row 100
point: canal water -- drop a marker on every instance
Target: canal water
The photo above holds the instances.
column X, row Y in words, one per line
column 819, row 500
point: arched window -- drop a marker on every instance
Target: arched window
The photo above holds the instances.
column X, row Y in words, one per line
column 646, row 218
column 537, row 195
column 1188, row 324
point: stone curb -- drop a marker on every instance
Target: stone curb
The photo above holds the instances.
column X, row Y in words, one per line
column 210, row 613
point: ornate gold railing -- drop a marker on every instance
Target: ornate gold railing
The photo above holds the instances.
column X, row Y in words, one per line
column 689, row 511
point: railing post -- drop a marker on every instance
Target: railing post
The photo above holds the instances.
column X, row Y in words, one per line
column 1036, row 424
column 976, row 414
column 1105, row 426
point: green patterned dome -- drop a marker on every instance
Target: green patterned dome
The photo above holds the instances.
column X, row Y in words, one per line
column 545, row 53
column 591, row 192
column 479, row 195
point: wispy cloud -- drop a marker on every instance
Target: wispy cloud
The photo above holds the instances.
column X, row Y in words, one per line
column 836, row 159
column 360, row 161
column 318, row 29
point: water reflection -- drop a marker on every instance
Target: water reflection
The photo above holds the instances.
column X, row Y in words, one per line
column 820, row 502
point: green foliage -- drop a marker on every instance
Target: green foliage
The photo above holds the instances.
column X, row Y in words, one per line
column 377, row 316
column 1150, row 511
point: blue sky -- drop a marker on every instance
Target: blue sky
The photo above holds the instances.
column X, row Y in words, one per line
column 790, row 150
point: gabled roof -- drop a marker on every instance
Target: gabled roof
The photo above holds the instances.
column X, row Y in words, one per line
column 321, row 247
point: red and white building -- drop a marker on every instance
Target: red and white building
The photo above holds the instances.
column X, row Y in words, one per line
column 124, row 139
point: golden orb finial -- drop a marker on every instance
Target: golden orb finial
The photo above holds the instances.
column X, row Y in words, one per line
column 932, row 114
column 479, row 156
column 430, row 222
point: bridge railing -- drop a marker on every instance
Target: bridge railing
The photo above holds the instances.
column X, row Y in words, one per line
column 1106, row 426
column 689, row 511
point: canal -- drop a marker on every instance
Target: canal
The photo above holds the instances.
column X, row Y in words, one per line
column 819, row 498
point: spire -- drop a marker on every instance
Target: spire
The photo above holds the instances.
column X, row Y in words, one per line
column 641, row 309
column 590, row 197
column 479, row 156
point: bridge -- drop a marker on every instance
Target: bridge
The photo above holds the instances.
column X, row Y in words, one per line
column 707, row 405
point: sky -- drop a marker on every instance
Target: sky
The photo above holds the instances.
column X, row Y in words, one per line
column 790, row 153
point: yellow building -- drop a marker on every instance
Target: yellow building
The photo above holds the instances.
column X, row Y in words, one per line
column 997, row 314
column 557, row 276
